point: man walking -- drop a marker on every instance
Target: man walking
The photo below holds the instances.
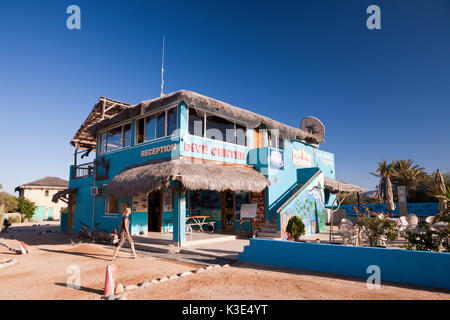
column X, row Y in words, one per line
column 124, row 231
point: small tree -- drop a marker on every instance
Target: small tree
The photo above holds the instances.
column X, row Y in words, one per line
column 295, row 227
column 26, row 207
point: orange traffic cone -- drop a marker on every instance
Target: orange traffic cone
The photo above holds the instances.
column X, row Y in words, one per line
column 110, row 279
column 23, row 248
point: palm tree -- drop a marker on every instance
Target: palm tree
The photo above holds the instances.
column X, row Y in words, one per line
column 384, row 169
column 407, row 173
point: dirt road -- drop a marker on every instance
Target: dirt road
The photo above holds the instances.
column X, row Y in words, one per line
column 42, row 274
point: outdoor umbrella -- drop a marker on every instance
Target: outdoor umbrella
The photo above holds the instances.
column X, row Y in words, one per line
column 389, row 197
column 440, row 186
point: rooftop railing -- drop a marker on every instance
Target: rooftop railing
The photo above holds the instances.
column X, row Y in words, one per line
column 83, row 170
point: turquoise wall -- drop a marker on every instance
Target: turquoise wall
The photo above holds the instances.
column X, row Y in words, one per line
column 420, row 209
column 421, row 268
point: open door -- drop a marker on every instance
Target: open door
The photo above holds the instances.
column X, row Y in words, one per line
column 155, row 211
column 71, row 210
column 228, row 211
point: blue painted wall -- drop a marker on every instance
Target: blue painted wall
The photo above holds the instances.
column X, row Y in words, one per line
column 420, row 209
column 412, row 267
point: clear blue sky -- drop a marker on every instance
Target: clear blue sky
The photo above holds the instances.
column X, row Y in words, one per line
column 382, row 94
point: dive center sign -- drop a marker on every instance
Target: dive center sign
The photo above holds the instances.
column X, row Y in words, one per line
column 301, row 158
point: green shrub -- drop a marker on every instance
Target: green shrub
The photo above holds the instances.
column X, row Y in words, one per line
column 295, row 227
column 14, row 219
column 26, row 207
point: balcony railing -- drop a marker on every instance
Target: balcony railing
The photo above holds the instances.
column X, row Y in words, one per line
column 83, row 170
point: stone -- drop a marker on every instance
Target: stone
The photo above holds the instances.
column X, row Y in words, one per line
column 184, row 274
column 163, row 279
column 131, row 287
column 225, row 265
column 173, row 277
column 217, row 266
column 208, row 267
column 154, row 281
column 200, row 270
column 144, row 284
column 111, row 297
column 119, row 289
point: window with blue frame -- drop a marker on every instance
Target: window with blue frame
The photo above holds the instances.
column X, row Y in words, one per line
column 156, row 126
column 115, row 138
column 216, row 128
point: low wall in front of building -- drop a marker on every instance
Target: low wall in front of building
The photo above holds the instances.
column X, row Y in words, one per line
column 421, row 268
column 420, row 209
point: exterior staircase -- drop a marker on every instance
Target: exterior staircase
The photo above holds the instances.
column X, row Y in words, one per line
column 269, row 230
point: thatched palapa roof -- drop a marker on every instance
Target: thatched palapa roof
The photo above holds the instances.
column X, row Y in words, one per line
column 204, row 103
column 335, row 186
column 193, row 176
column 105, row 108
column 47, row 182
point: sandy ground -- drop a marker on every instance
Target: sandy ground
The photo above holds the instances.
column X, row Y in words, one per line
column 245, row 281
column 42, row 274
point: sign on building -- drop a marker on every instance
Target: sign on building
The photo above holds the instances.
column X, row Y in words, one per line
column 140, row 203
column 301, row 158
column 167, row 200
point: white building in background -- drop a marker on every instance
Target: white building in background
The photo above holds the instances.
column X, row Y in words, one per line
column 41, row 192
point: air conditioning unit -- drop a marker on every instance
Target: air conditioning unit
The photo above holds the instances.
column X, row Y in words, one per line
column 97, row 191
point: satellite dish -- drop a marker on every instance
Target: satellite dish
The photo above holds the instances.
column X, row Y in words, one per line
column 313, row 125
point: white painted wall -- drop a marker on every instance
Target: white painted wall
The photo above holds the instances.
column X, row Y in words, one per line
column 41, row 200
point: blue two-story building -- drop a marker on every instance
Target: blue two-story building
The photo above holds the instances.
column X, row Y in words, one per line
column 185, row 154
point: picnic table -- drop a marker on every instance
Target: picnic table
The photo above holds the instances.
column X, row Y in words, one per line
column 199, row 221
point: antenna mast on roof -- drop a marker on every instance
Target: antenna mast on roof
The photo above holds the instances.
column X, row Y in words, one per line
column 162, row 69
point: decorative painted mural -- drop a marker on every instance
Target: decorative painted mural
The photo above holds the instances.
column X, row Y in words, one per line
column 309, row 206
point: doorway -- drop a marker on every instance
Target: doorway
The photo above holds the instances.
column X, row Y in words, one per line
column 71, row 210
column 154, row 211
column 228, row 211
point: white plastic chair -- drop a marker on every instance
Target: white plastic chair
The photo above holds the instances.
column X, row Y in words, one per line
column 412, row 219
column 346, row 220
column 429, row 220
column 404, row 225
column 413, row 222
column 349, row 234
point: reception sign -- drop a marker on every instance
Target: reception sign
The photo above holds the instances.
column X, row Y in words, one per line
column 301, row 158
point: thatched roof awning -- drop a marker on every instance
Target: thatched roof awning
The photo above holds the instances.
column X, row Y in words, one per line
column 335, row 186
column 193, row 176
column 63, row 195
column 105, row 108
column 204, row 103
